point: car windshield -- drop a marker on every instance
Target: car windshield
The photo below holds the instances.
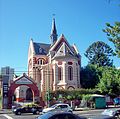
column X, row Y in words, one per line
column 45, row 116
column 53, row 106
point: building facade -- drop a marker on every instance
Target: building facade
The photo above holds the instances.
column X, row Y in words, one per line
column 9, row 72
column 6, row 76
column 54, row 66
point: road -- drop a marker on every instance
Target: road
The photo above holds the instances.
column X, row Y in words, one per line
column 9, row 115
column 22, row 116
column 89, row 113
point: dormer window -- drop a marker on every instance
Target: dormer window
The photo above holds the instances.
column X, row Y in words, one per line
column 40, row 50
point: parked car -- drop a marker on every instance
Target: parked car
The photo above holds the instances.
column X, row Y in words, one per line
column 115, row 113
column 28, row 109
column 60, row 115
column 116, row 101
column 109, row 114
column 61, row 107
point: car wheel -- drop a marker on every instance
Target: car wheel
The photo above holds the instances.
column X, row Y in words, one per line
column 19, row 113
column 34, row 113
column 37, row 112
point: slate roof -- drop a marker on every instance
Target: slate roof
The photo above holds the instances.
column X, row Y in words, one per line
column 77, row 55
column 41, row 48
column 72, row 48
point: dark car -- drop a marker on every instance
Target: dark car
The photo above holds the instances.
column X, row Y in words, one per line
column 15, row 106
column 28, row 109
column 60, row 115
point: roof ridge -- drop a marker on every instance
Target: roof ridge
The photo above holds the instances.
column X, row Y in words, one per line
column 42, row 43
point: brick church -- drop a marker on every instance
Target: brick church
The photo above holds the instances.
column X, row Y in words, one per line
column 54, row 66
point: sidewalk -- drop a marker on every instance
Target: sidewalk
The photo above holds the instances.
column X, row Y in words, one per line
column 82, row 109
column 5, row 111
column 86, row 108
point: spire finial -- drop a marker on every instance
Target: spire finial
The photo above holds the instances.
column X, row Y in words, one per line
column 53, row 15
column 53, row 31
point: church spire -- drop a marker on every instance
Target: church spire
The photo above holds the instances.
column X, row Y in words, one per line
column 53, row 32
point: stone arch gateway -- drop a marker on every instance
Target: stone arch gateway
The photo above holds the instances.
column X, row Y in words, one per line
column 20, row 81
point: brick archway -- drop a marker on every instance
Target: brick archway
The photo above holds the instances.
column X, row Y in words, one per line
column 20, row 81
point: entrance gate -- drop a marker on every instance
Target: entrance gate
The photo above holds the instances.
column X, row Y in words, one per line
column 20, row 81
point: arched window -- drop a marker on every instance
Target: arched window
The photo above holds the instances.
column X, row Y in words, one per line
column 59, row 73
column 53, row 75
column 77, row 77
column 52, row 78
column 70, row 73
column 41, row 61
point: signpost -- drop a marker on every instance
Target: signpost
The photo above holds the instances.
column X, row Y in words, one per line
column 48, row 98
column 5, row 80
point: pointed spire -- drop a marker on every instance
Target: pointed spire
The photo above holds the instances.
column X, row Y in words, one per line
column 54, row 31
column 53, row 35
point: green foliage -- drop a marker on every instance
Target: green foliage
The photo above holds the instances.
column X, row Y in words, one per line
column 73, row 94
column 99, row 54
column 86, row 97
column 69, row 97
column 113, row 33
column 105, row 79
column 48, row 96
column 109, row 81
column 89, row 76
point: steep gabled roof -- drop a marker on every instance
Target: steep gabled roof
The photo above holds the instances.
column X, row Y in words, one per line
column 63, row 48
column 57, row 44
column 75, row 50
column 41, row 48
column 30, row 80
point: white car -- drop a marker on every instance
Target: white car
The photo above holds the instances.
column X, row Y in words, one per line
column 61, row 107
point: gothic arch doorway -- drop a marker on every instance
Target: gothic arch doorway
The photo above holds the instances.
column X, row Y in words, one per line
column 29, row 95
column 26, row 81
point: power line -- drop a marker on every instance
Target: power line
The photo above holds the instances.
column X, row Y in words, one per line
column 46, row 73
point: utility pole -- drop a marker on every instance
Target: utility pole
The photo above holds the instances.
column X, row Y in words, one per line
column 48, row 85
column 48, row 97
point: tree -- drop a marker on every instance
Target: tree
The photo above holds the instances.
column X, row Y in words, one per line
column 89, row 76
column 99, row 54
column 113, row 33
column 109, row 81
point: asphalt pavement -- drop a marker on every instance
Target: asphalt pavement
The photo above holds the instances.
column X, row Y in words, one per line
column 9, row 111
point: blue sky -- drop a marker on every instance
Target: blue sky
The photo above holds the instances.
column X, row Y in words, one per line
column 81, row 22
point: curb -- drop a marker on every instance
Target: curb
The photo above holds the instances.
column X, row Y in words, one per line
column 5, row 111
column 82, row 109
